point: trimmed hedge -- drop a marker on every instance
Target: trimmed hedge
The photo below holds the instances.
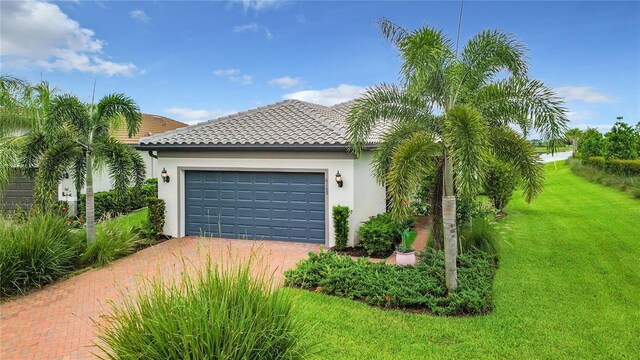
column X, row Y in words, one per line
column 624, row 167
column 596, row 161
column 419, row 287
column 341, row 225
column 108, row 202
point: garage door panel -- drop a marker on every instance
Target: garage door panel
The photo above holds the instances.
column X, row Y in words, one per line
column 258, row 205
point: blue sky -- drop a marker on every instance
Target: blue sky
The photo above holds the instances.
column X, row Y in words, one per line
column 194, row 61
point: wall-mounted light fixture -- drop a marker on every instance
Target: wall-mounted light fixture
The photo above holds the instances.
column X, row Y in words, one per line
column 339, row 179
column 65, row 175
column 165, row 176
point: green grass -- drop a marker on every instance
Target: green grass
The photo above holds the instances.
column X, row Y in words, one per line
column 567, row 287
column 130, row 220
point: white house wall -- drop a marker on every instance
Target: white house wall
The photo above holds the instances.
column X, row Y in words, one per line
column 102, row 181
column 368, row 200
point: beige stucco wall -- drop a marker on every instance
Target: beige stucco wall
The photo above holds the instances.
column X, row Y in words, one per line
column 360, row 192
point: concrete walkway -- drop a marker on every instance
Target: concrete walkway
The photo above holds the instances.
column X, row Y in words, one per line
column 57, row 321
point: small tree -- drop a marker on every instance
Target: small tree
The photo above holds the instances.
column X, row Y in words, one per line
column 622, row 142
column 499, row 183
column 573, row 136
column 591, row 144
column 341, row 225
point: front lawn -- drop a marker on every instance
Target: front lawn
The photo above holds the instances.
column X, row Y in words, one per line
column 567, row 287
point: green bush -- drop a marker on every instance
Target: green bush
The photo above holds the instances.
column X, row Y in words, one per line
column 341, row 225
column 596, row 161
column 624, row 167
column 35, row 252
column 419, row 287
column 214, row 313
column 155, row 217
column 380, row 234
column 109, row 202
column 621, row 142
column 113, row 241
column 499, row 183
column 480, row 234
column 591, row 143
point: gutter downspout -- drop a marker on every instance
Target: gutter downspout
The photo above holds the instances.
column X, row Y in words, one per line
column 153, row 156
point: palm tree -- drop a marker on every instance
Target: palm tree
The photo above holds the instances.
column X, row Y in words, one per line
column 83, row 144
column 23, row 111
column 573, row 135
column 456, row 112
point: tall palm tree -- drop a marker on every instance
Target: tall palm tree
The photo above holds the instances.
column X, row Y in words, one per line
column 454, row 111
column 573, row 135
column 83, row 144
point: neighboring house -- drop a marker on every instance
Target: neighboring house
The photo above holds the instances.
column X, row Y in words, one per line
column 265, row 174
column 17, row 195
column 150, row 125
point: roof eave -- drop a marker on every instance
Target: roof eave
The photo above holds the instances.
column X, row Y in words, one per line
column 249, row 147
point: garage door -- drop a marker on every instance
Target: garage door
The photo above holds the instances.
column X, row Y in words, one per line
column 255, row 205
column 19, row 194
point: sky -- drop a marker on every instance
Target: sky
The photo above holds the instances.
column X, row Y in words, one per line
column 195, row 61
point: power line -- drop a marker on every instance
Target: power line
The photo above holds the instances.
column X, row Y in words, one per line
column 459, row 25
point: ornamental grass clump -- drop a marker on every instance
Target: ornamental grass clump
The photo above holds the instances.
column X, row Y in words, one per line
column 212, row 312
column 35, row 252
column 113, row 241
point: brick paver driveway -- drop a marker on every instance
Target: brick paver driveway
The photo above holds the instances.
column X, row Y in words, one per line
column 56, row 322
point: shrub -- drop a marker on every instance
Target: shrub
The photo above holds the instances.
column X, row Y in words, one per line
column 499, row 183
column 405, row 287
column 113, row 241
column 35, row 252
column 215, row 313
column 480, row 234
column 155, row 217
column 624, row 167
column 380, row 233
column 622, row 142
column 591, row 144
column 596, row 161
column 408, row 238
column 110, row 202
column 341, row 225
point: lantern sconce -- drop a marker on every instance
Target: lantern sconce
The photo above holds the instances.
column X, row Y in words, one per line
column 165, row 176
column 339, row 179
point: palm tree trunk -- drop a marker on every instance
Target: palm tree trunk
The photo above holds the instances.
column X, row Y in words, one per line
column 450, row 229
column 436, row 208
column 574, row 142
column 90, row 209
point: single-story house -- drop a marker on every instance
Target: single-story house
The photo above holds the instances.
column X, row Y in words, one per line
column 270, row 173
column 151, row 124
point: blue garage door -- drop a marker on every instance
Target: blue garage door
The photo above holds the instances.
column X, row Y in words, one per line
column 255, row 205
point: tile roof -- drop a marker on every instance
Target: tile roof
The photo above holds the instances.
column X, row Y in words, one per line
column 289, row 122
column 151, row 125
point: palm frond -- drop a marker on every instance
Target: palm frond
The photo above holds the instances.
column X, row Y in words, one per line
column 114, row 108
column 390, row 31
column 411, row 162
column 465, row 133
column 117, row 158
column 67, row 109
column 488, row 53
column 10, row 148
column 512, row 148
column 525, row 102
column 31, row 152
column 382, row 157
column 54, row 163
column 380, row 106
column 138, row 168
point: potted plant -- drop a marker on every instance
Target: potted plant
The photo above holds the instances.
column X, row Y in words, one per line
column 405, row 254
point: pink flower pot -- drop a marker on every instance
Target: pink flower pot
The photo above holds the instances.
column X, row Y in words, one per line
column 406, row 258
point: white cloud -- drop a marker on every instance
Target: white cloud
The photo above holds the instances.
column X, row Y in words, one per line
column 139, row 15
column 193, row 116
column 234, row 75
column 253, row 27
column 583, row 93
column 35, row 33
column 268, row 33
column 286, row 82
column 328, row 96
column 259, row 5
